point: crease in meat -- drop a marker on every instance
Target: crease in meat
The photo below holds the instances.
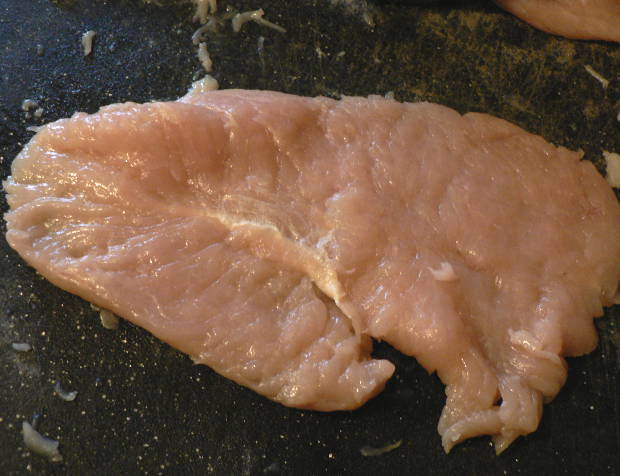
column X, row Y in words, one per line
column 310, row 260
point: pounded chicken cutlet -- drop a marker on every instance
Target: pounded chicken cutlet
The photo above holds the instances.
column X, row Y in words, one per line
column 271, row 236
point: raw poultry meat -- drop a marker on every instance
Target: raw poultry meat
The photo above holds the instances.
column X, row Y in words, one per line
column 271, row 236
column 580, row 19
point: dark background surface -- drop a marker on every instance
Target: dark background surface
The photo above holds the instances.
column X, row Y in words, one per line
column 142, row 407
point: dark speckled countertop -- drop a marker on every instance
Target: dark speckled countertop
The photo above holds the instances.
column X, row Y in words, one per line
column 142, row 407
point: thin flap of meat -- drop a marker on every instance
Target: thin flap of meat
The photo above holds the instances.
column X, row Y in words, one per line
column 233, row 223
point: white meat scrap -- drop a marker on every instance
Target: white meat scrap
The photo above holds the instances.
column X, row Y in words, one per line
column 256, row 16
column 205, row 58
column 40, row 444
column 613, row 168
column 204, row 8
column 87, row 41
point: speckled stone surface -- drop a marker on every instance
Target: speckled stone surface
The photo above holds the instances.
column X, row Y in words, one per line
column 143, row 408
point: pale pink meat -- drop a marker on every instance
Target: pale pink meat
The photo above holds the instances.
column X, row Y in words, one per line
column 271, row 236
column 580, row 19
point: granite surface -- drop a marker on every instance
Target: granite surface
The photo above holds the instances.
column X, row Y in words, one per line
column 142, row 407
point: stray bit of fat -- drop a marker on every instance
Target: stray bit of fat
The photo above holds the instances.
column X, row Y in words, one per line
column 596, row 75
column 205, row 58
column 87, row 41
column 256, row 16
column 208, row 83
column 28, row 104
column 211, row 25
column 39, row 444
column 203, row 9
column 66, row 396
column 21, row 347
column 370, row 451
column 613, row 168
column 108, row 318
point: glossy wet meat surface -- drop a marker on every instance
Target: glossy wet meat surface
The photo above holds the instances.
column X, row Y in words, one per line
column 271, row 236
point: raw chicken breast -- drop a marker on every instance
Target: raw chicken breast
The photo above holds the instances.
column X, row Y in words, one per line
column 581, row 19
column 271, row 236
